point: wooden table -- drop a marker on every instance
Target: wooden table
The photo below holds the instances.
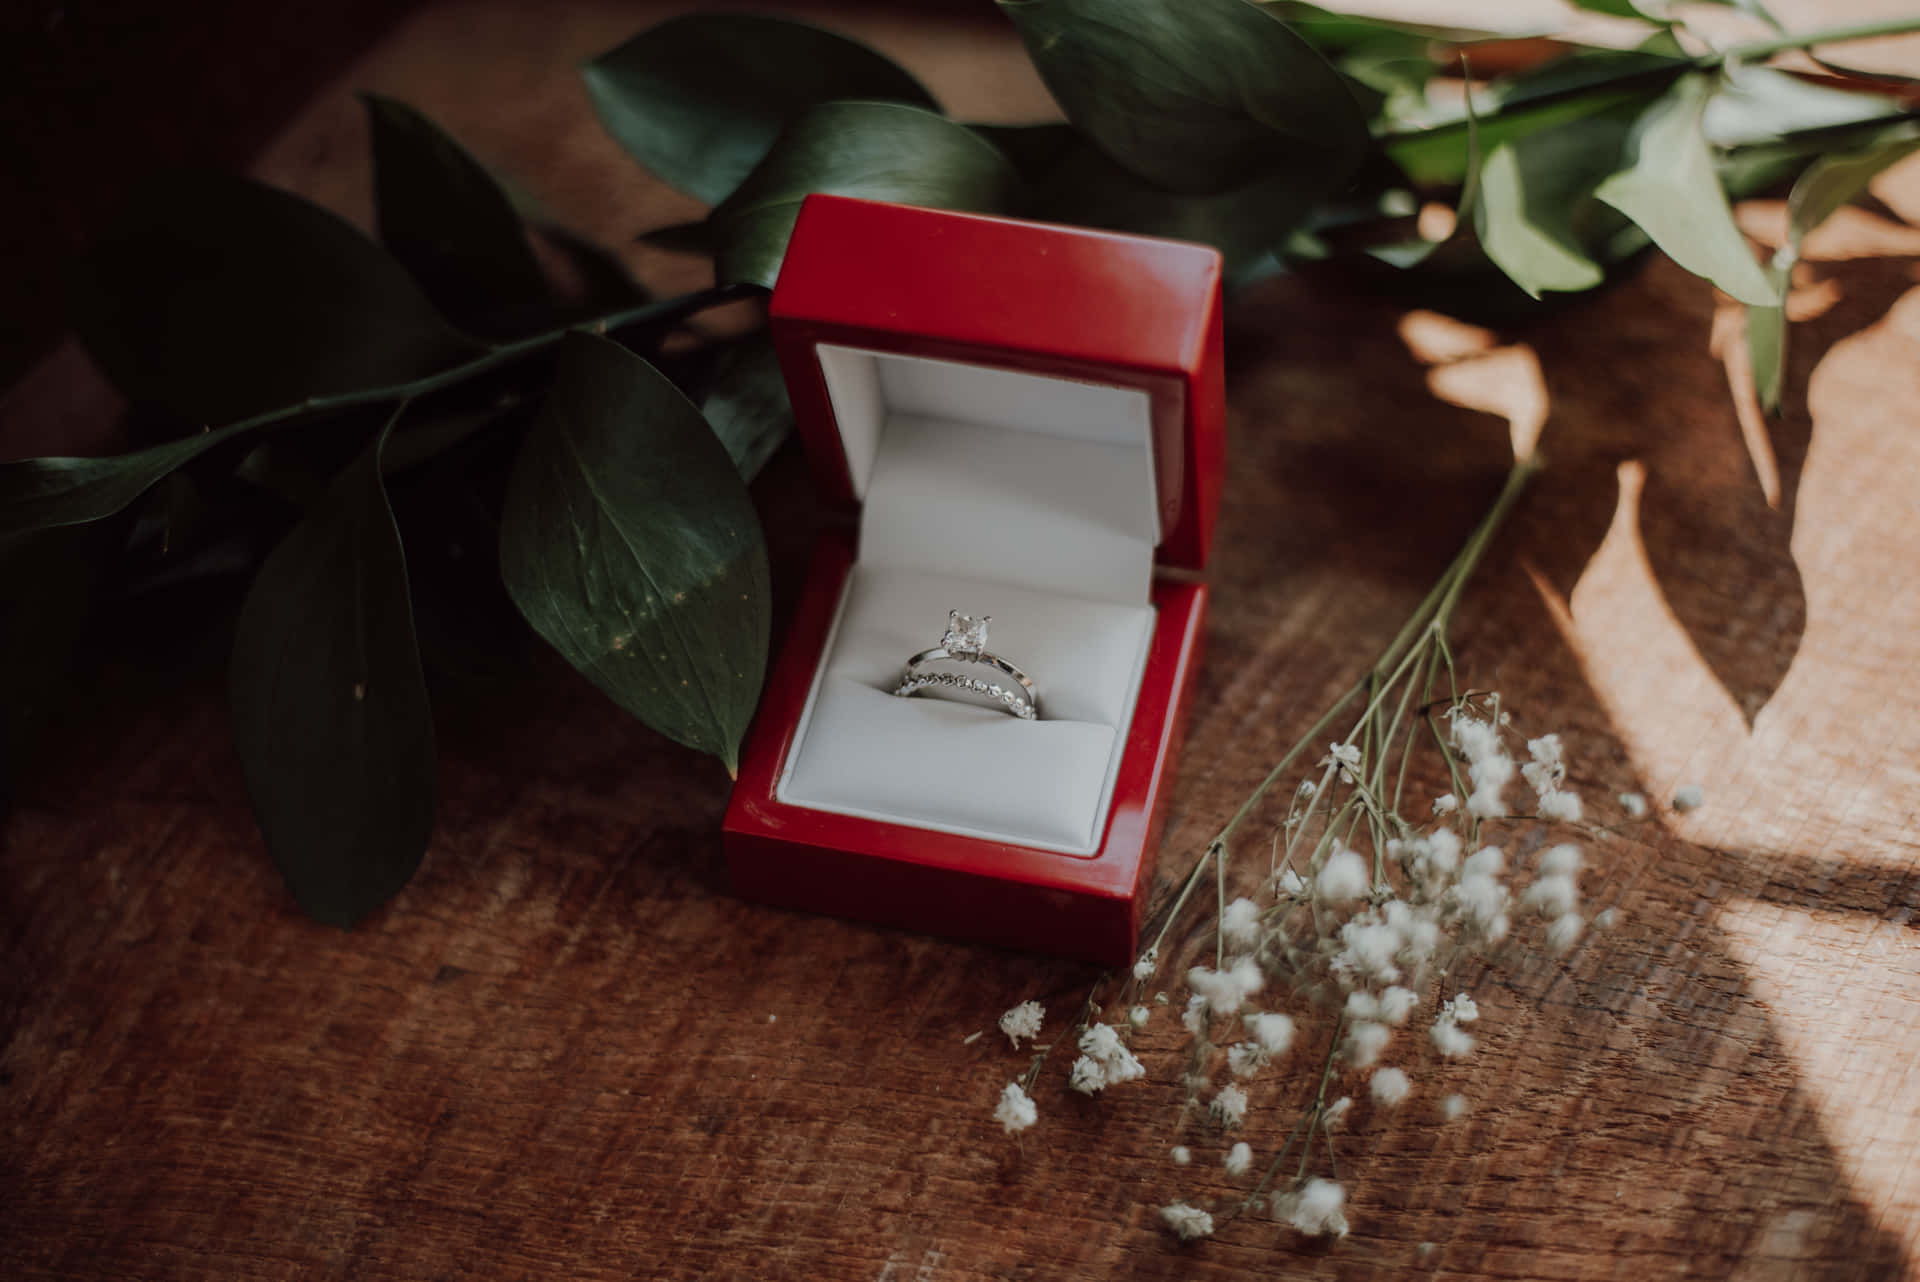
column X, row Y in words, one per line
column 565, row 1052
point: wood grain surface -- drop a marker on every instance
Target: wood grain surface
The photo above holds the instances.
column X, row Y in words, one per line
column 565, row 1052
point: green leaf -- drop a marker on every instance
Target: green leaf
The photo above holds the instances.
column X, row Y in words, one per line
column 880, row 151
column 599, row 280
column 1536, row 204
column 1839, row 179
column 220, row 298
column 1087, row 188
column 700, row 99
column 1760, row 105
column 330, row 712
column 680, row 238
column 747, row 406
column 1197, row 96
column 449, row 222
column 1584, row 83
column 39, row 493
column 629, row 543
column 1822, row 189
column 1767, row 346
column 1670, row 188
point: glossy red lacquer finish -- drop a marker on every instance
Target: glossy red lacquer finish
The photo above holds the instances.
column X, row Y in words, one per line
column 1077, row 304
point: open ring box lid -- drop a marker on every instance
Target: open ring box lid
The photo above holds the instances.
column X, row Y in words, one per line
column 1023, row 421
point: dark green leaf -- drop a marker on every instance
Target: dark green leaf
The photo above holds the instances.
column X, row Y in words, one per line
column 1087, row 188
column 1197, row 96
column 330, row 712
column 1671, row 189
column 681, row 238
column 1760, row 104
column 629, row 543
column 699, row 99
column 39, row 493
column 449, row 222
column 220, row 298
column 596, row 279
column 1536, row 210
column 1034, row 151
column 747, row 405
column 880, row 151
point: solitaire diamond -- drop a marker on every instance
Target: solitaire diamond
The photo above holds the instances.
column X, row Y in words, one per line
column 966, row 634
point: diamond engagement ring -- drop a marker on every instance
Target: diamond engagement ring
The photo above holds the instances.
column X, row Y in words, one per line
column 965, row 641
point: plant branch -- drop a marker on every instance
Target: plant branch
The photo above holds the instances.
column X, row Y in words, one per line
column 1808, row 39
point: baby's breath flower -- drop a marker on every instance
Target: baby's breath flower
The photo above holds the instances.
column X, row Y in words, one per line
column 1344, row 755
column 1023, row 1021
column 1397, row 1003
column 1240, row 924
column 1365, row 1041
column 1634, row 804
column 1194, row 1019
column 1239, row 1158
column 1104, row 1061
column 1187, row 1222
column 1445, row 804
column 1336, row 1112
column 1290, row 883
column 1553, row 895
column 1139, row 1016
column 1016, row 1112
column 1606, row 919
column 1143, row 969
column 1561, row 804
column 1564, row 933
column 1180, row 1154
column 1488, row 861
column 1545, row 751
column 1274, row 1032
column 1244, row 1059
column 1344, row 876
column 1453, row 1107
column 1691, row 797
column 1476, row 739
column 1390, row 1087
column 1450, row 1039
column 1461, row 1009
column 1368, row 946
column 1226, row 991
column 1314, row 1208
column 1561, row 859
column 1229, row 1107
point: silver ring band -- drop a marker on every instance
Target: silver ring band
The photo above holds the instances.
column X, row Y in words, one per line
column 965, row 642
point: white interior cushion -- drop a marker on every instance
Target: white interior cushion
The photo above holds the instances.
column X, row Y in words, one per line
column 937, row 762
column 996, row 492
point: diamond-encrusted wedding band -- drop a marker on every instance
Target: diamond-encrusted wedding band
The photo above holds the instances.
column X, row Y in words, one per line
column 965, row 641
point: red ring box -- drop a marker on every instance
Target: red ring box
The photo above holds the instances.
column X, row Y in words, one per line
column 1018, row 419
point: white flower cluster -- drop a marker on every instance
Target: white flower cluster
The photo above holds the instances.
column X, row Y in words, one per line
column 1488, row 766
column 1104, row 1061
column 1361, row 916
column 1545, row 773
column 1022, row 1022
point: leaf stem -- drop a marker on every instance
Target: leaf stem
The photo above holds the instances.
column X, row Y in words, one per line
column 1808, row 39
column 671, row 309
